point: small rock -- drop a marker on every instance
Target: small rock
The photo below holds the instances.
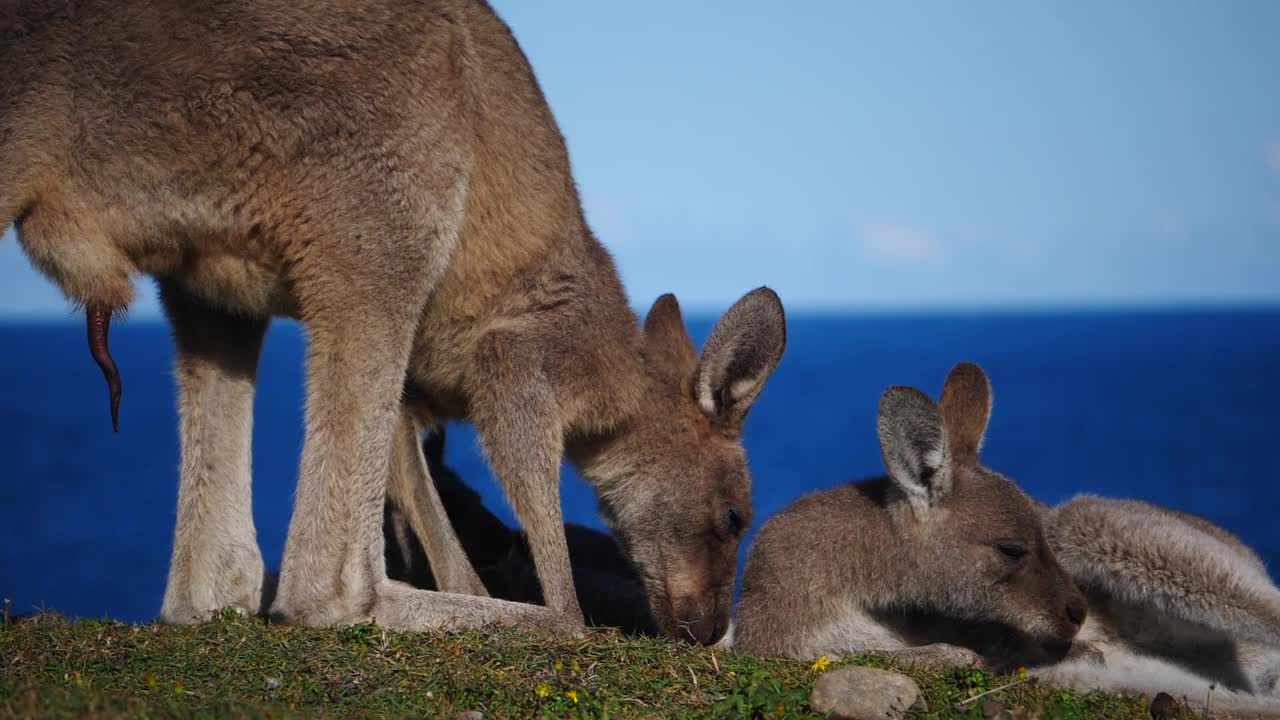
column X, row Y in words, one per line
column 467, row 715
column 1163, row 707
column 992, row 709
column 273, row 683
column 861, row 693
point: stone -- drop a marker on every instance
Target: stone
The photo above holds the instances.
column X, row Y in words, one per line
column 467, row 715
column 861, row 693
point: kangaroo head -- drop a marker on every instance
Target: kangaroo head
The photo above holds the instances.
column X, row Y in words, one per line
column 979, row 539
column 675, row 487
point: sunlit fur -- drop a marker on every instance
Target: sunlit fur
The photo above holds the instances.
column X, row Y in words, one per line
column 387, row 172
column 609, row 591
column 1176, row 604
column 912, row 563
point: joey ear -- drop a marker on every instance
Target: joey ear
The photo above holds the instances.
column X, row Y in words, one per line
column 966, row 409
column 914, row 445
column 741, row 353
column 433, row 446
column 668, row 349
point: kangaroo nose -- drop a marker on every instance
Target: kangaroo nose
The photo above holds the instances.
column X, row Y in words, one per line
column 1076, row 612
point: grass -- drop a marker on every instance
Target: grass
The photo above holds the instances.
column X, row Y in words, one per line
column 244, row 667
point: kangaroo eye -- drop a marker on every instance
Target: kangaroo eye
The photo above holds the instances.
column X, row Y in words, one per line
column 734, row 522
column 1012, row 550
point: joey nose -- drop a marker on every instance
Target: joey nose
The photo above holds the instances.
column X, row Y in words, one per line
column 1076, row 612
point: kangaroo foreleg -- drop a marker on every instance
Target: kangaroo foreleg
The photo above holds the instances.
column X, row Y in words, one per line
column 937, row 656
column 513, row 407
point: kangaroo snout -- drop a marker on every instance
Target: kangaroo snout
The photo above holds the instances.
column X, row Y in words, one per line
column 698, row 621
column 1077, row 610
column 1070, row 608
column 1064, row 618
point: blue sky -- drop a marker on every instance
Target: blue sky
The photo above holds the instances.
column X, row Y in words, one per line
column 931, row 154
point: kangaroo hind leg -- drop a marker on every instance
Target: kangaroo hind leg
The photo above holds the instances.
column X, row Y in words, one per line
column 361, row 299
column 216, row 562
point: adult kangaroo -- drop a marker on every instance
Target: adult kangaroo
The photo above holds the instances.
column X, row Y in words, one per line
column 388, row 173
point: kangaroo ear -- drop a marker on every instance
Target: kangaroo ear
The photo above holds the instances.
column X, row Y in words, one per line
column 741, row 353
column 667, row 347
column 966, row 409
column 914, row 445
column 433, row 446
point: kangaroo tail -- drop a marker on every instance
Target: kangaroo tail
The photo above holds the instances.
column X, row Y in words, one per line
column 1149, row 557
column 1127, row 672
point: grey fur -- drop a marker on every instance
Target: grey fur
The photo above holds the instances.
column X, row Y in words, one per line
column 911, row 563
column 1176, row 604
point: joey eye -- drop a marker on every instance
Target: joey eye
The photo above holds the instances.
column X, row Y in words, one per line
column 734, row 522
column 1012, row 550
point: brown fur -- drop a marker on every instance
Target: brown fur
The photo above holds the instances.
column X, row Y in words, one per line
column 387, row 172
column 920, row 563
column 609, row 592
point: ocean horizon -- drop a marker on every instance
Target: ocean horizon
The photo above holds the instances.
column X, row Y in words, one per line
column 1177, row 406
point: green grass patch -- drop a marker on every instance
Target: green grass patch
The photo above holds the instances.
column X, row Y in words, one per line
column 244, row 667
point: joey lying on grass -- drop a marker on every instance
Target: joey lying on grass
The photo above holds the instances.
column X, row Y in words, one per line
column 942, row 562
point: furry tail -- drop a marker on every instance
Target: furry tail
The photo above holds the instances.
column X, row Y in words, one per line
column 1172, row 564
column 1135, row 674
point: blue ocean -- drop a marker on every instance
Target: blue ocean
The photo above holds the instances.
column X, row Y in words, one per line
column 1179, row 408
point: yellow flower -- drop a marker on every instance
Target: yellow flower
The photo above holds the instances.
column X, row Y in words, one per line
column 542, row 690
column 1022, row 673
column 559, row 666
column 572, row 695
column 820, row 664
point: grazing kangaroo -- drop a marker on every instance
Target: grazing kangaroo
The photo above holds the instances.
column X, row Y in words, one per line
column 1176, row 604
column 609, row 591
column 943, row 562
column 387, row 172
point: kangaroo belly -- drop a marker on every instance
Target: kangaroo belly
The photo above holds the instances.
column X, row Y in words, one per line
column 245, row 282
column 92, row 244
